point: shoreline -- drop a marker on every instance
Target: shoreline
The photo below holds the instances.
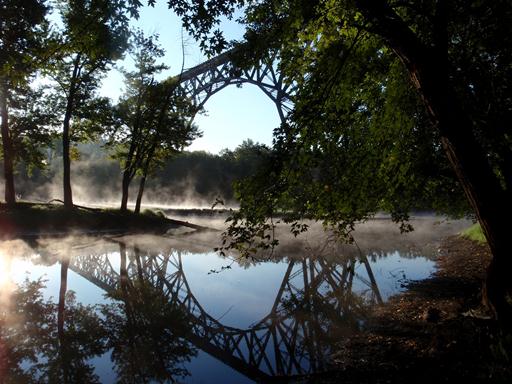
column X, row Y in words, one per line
column 437, row 330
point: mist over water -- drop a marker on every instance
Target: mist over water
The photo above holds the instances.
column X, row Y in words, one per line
column 372, row 237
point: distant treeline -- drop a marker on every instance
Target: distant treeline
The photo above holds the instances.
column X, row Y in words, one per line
column 191, row 178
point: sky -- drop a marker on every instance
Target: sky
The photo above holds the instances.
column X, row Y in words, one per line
column 231, row 115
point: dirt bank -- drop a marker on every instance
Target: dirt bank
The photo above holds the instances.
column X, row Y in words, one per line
column 437, row 331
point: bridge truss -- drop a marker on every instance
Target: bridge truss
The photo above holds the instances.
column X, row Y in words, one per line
column 206, row 79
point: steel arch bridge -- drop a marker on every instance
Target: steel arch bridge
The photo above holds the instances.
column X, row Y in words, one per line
column 290, row 341
column 204, row 80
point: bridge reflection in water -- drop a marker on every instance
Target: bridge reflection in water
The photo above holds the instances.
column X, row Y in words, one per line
column 314, row 306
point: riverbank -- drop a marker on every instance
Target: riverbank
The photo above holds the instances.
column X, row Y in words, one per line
column 437, row 331
column 31, row 219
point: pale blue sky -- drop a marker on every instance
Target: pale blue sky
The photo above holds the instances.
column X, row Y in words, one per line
column 233, row 114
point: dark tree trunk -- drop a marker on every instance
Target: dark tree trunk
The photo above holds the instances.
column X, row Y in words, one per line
column 481, row 186
column 66, row 159
column 10, row 194
column 487, row 198
column 140, row 193
column 128, row 174
column 124, row 190
column 68, row 193
column 143, row 178
column 429, row 71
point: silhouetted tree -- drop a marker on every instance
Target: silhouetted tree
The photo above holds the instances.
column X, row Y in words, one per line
column 21, row 31
column 94, row 34
column 154, row 119
column 456, row 56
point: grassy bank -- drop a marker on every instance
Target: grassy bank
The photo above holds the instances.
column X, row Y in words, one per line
column 474, row 233
column 34, row 219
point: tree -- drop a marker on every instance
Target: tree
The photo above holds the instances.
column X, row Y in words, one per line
column 21, row 27
column 93, row 36
column 456, row 56
column 30, row 121
column 154, row 119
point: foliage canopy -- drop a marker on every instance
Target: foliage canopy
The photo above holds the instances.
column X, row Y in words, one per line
column 346, row 55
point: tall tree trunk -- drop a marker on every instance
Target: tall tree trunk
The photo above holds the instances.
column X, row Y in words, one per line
column 10, row 194
column 140, row 193
column 124, row 190
column 128, row 174
column 482, row 188
column 144, row 176
column 488, row 200
column 68, row 193
column 429, row 71
column 66, row 159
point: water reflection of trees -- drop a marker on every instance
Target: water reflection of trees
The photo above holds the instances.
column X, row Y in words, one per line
column 53, row 342
column 30, row 337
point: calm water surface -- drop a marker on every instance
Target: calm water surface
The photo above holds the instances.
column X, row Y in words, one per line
column 167, row 309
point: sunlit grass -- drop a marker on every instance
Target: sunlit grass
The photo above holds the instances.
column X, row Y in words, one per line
column 474, row 233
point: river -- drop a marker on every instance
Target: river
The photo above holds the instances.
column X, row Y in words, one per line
column 144, row 308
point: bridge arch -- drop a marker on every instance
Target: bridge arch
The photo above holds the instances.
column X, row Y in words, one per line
column 206, row 79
